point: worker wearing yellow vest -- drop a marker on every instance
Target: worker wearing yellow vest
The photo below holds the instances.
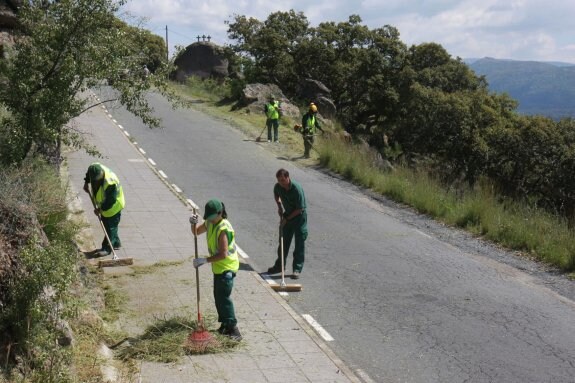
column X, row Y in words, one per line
column 224, row 260
column 309, row 123
column 273, row 113
column 109, row 199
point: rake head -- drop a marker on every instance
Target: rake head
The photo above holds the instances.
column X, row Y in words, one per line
column 199, row 341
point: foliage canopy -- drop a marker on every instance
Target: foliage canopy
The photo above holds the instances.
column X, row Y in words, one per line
column 415, row 104
column 62, row 50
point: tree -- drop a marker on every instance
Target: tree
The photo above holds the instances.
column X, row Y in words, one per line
column 63, row 49
column 272, row 45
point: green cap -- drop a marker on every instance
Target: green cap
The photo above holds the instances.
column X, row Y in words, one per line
column 213, row 207
column 95, row 172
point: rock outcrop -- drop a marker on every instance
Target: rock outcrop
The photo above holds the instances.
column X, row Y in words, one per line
column 316, row 92
column 255, row 96
column 202, row 59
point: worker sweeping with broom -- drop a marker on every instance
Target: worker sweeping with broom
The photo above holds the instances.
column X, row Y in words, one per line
column 224, row 259
column 108, row 199
column 290, row 200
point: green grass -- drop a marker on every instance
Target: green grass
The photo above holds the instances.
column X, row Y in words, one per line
column 515, row 225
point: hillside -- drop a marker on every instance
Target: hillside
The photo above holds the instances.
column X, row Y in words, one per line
column 541, row 88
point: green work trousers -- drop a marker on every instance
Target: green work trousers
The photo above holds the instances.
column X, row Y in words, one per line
column 275, row 125
column 296, row 227
column 223, row 286
column 111, row 225
column 307, row 144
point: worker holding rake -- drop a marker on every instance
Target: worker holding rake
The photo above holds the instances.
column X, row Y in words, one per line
column 224, row 259
column 290, row 199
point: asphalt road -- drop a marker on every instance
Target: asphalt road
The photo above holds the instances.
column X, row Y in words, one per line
column 405, row 299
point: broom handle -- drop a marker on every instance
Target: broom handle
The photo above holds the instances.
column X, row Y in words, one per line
column 282, row 252
column 197, row 270
column 114, row 257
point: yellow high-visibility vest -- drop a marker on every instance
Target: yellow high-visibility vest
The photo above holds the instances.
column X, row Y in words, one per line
column 110, row 178
column 273, row 110
column 231, row 262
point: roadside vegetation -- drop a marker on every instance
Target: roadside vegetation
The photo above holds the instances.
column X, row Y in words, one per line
column 37, row 274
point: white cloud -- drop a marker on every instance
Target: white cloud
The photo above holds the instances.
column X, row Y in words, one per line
column 518, row 29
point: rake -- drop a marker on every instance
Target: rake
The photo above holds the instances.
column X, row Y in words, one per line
column 199, row 339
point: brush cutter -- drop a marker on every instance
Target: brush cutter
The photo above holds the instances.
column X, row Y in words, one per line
column 115, row 261
column 283, row 286
column 259, row 139
column 200, row 338
column 306, row 138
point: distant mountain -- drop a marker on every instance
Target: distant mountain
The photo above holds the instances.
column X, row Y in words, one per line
column 546, row 88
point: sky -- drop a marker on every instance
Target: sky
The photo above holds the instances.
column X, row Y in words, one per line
column 528, row 30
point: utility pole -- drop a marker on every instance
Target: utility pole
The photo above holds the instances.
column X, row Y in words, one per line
column 167, row 46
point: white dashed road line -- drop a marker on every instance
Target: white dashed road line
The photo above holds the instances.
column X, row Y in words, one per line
column 176, row 188
column 320, row 330
column 192, row 204
column 242, row 253
column 151, row 161
column 162, row 173
column 364, row 376
column 142, row 150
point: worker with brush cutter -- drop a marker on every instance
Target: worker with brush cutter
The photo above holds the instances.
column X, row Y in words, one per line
column 108, row 198
column 224, row 259
column 309, row 124
column 290, row 199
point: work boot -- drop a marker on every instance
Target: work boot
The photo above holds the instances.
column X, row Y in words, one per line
column 233, row 333
column 274, row 270
column 295, row 275
column 222, row 329
column 102, row 252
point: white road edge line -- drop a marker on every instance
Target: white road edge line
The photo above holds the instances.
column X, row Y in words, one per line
column 320, row 330
column 162, row 174
column 176, row 188
column 422, row 233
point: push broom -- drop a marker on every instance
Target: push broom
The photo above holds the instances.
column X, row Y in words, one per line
column 259, row 139
column 115, row 261
column 200, row 339
column 295, row 287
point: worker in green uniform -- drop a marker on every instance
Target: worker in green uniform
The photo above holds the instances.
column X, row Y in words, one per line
column 224, row 259
column 273, row 111
column 108, row 197
column 290, row 199
column 309, row 123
